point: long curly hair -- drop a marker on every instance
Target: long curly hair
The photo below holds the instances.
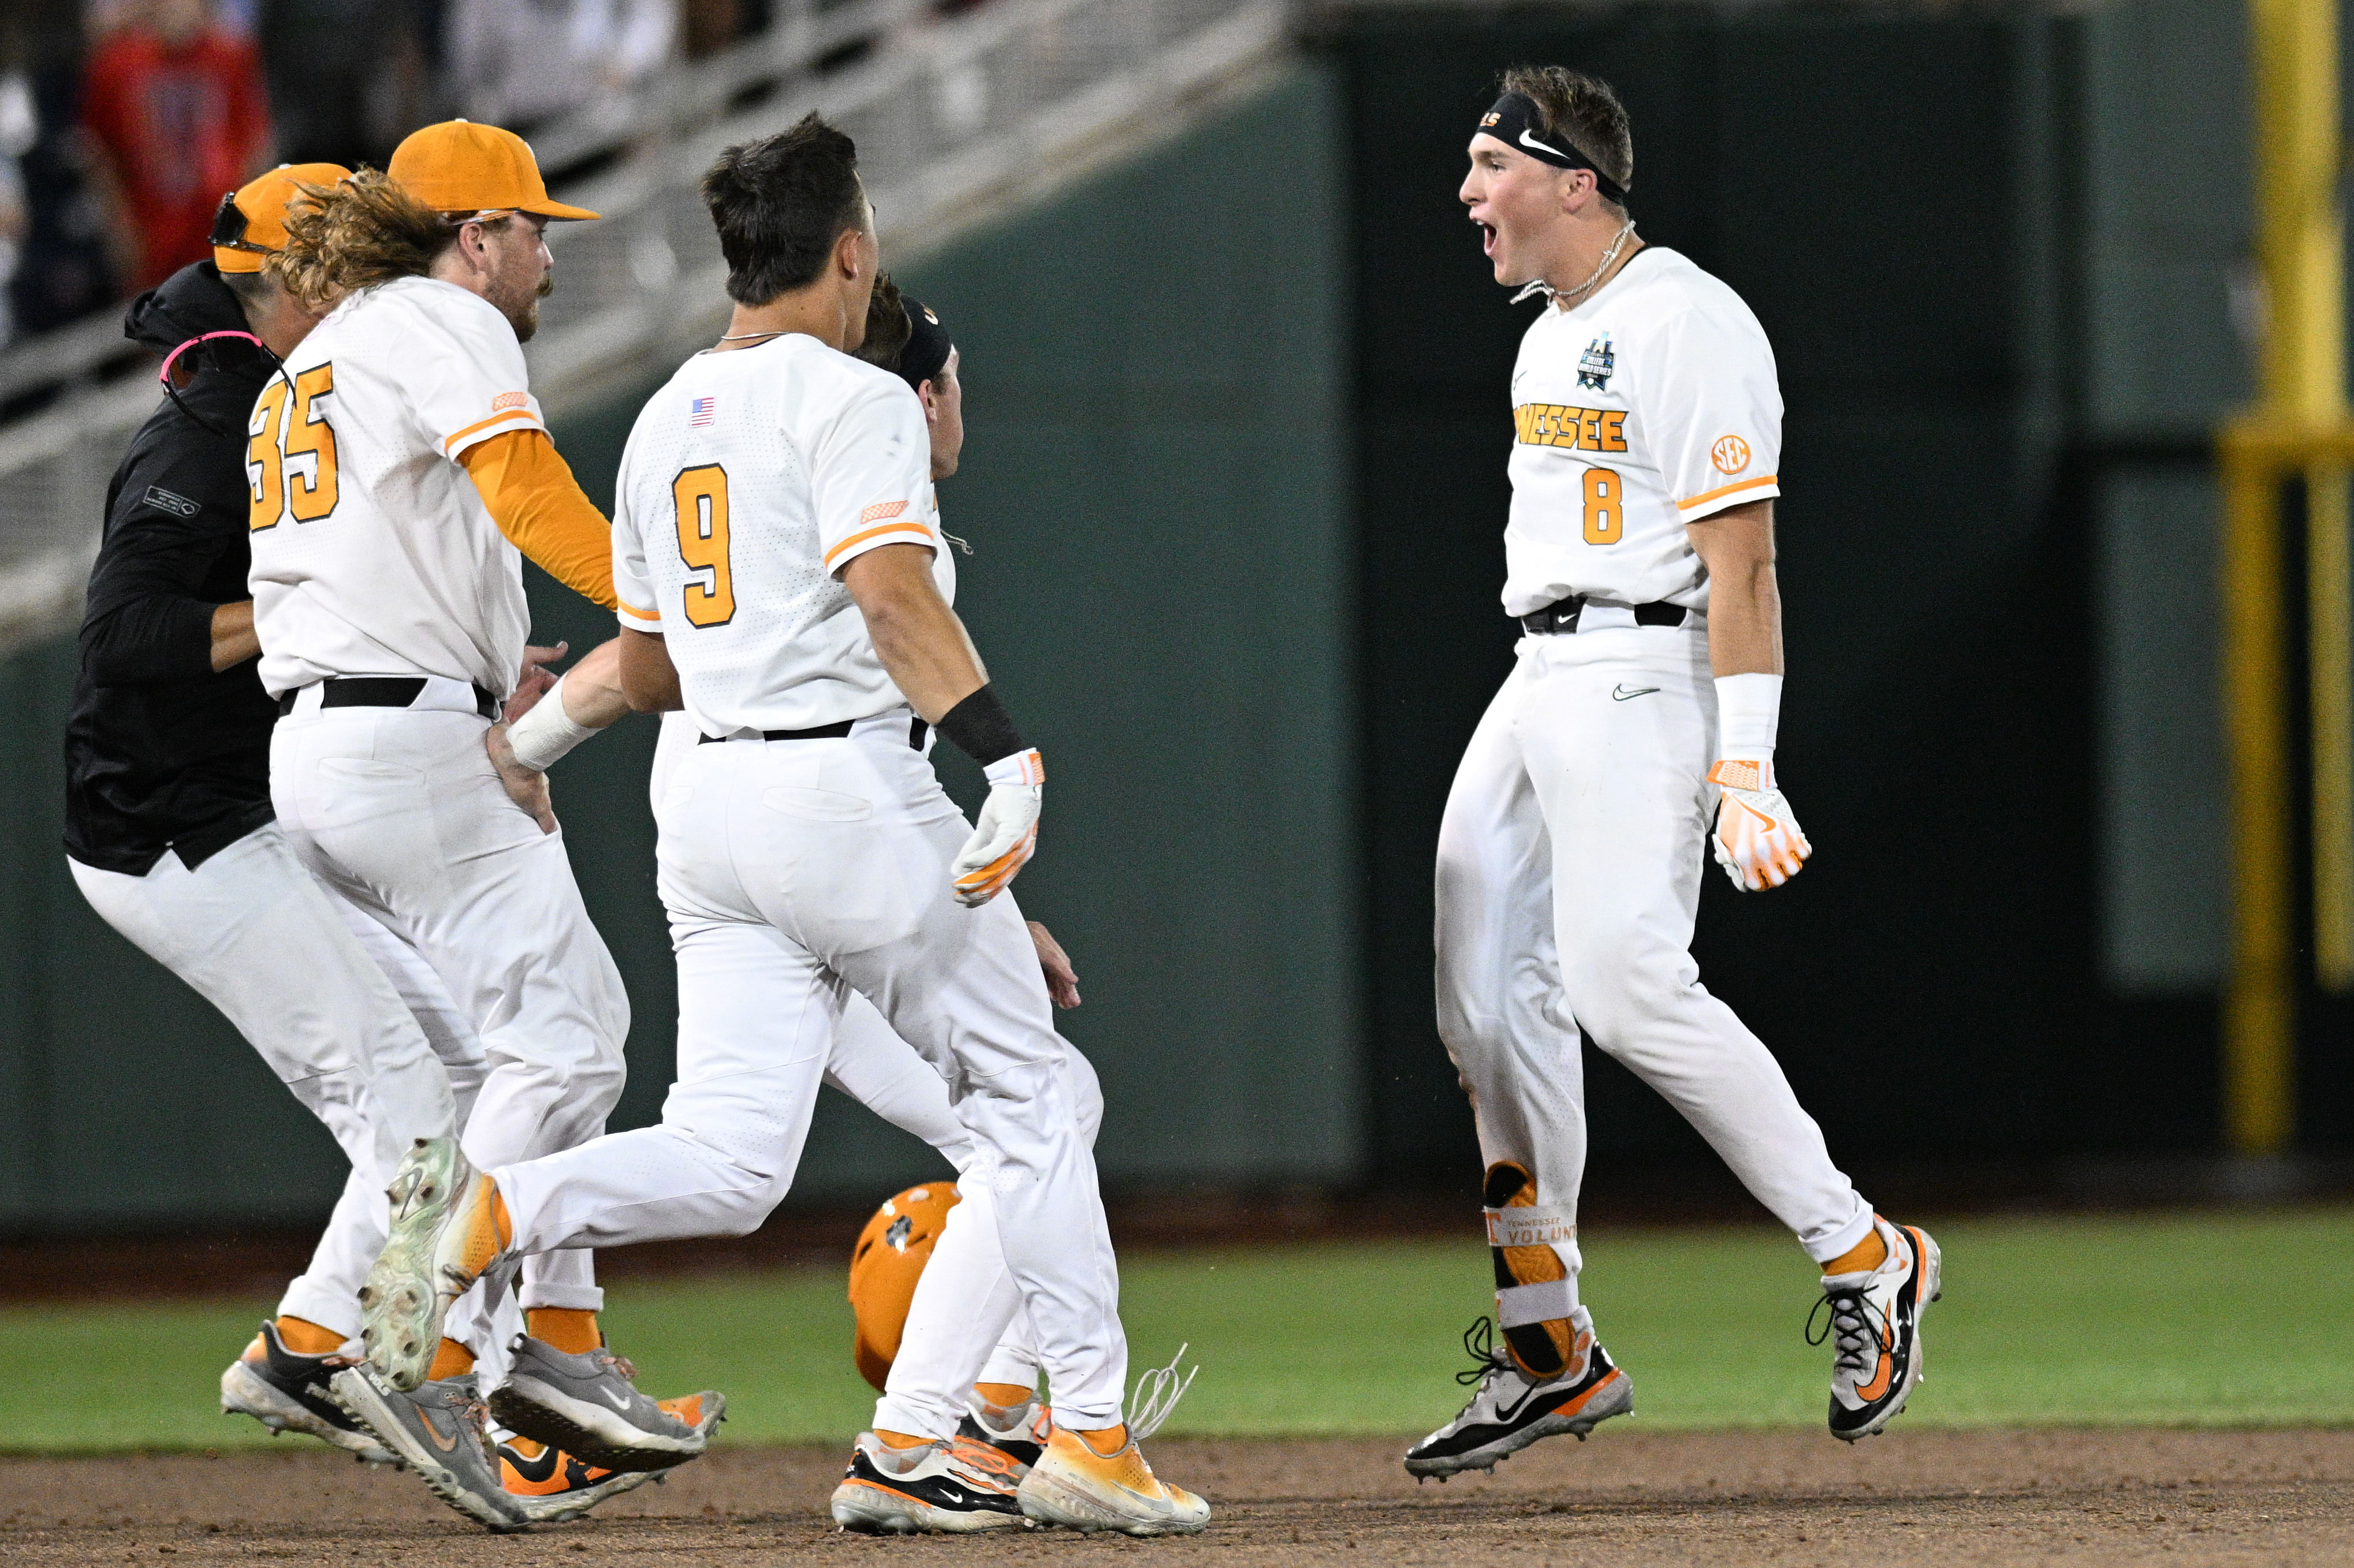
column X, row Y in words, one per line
column 355, row 234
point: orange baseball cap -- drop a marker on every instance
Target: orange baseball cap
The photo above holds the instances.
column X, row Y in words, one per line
column 459, row 166
column 251, row 223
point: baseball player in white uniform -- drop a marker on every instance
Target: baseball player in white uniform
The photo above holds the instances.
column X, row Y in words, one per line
column 399, row 470
column 777, row 578
column 1644, row 699
column 966, row 1296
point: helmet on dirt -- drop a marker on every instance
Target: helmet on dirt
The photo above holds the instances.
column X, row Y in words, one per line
column 884, row 1266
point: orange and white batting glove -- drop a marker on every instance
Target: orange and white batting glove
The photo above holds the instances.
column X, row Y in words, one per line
column 1007, row 834
column 1757, row 840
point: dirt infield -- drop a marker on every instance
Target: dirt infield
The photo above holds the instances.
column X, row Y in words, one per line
column 1628, row 1497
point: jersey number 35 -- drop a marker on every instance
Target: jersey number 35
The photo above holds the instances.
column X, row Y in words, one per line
column 290, row 458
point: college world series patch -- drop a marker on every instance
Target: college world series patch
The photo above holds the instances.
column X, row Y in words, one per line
column 1597, row 365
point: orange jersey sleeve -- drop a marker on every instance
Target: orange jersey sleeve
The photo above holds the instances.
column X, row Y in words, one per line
column 538, row 505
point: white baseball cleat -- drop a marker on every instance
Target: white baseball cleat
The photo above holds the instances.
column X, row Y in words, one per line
column 955, row 1487
column 1875, row 1330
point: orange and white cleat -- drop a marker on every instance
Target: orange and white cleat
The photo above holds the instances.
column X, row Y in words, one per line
column 1875, row 1330
column 447, row 1226
column 554, row 1487
column 1072, row 1485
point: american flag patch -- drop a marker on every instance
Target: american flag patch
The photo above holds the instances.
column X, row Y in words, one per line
column 700, row 411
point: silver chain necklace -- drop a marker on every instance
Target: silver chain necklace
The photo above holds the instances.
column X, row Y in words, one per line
column 1557, row 295
column 744, row 336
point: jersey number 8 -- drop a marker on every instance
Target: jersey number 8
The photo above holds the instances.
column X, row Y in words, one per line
column 1605, row 518
column 700, row 495
column 279, row 441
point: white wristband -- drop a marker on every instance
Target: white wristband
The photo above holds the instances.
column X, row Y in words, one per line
column 1748, row 715
column 546, row 732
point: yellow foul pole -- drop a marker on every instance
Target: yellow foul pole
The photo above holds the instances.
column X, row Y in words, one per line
column 2302, row 414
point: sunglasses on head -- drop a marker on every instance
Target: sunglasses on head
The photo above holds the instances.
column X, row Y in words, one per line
column 230, row 224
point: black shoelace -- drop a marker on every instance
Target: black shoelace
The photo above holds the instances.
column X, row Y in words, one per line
column 1858, row 1343
column 1480, row 1344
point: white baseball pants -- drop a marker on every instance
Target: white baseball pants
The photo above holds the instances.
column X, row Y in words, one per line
column 295, row 968
column 1569, row 867
column 399, row 810
column 795, row 872
column 966, row 1323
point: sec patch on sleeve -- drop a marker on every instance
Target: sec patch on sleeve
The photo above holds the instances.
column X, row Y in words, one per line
column 164, row 500
column 1730, row 454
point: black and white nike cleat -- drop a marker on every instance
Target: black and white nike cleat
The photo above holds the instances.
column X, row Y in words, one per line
column 288, row 1391
column 1875, row 1331
column 1509, row 1410
column 955, row 1487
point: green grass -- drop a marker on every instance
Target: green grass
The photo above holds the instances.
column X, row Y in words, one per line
column 2206, row 1319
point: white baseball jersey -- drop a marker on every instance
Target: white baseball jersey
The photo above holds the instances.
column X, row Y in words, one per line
column 373, row 553
column 749, row 482
column 1650, row 406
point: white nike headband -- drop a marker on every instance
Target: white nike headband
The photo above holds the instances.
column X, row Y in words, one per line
column 1515, row 122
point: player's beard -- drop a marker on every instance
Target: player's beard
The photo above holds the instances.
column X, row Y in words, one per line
column 523, row 312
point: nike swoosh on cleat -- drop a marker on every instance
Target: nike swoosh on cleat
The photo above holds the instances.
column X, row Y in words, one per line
column 447, row 1445
column 1620, row 693
column 615, row 1400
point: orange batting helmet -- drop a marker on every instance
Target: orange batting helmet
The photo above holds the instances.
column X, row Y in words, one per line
column 884, row 1266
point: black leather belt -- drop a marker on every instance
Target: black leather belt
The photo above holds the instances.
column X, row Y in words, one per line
column 1560, row 616
column 822, row 732
column 380, row 691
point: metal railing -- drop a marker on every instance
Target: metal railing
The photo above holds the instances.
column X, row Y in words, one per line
column 955, row 119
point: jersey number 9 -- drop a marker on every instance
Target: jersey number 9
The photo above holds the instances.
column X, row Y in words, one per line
column 1605, row 519
column 700, row 495
column 279, row 441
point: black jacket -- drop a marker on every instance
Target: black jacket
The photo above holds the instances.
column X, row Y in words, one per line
column 161, row 752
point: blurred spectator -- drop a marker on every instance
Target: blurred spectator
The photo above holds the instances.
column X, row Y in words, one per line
column 18, row 131
column 520, row 63
column 61, row 268
column 176, row 106
column 348, row 78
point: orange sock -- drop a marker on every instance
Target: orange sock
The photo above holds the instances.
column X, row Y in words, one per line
column 573, row 1332
column 900, row 1439
column 451, row 1360
column 1004, row 1395
column 305, row 1338
column 1863, row 1256
column 1104, row 1441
